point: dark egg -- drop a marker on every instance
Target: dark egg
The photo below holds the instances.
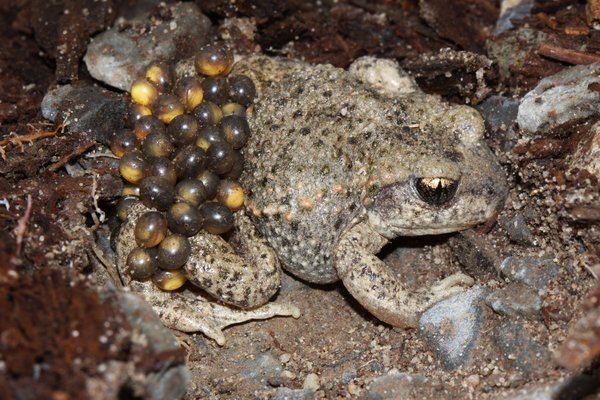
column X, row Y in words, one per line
column 183, row 129
column 214, row 60
column 216, row 89
column 150, row 229
column 123, row 141
column 132, row 167
column 158, row 144
column 161, row 75
column 184, row 218
column 166, row 107
column 162, row 167
column 157, row 192
column 137, row 111
column 242, row 90
column 231, row 193
column 124, row 207
column 235, row 130
column 208, row 113
column 220, row 157
column 169, row 280
column 217, row 218
column 192, row 191
column 189, row 91
column 209, row 135
column 141, row 264
column 210, row 180
column 238, row 166
column 147, row 125
column 173, row 252
column 189, row 161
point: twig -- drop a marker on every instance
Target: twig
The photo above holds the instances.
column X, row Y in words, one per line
column 77, row 152
column 567, row 55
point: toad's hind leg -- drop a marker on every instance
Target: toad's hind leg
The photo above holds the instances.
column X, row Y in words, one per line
column 196, row 313
column 374, row 286
column 244, row 275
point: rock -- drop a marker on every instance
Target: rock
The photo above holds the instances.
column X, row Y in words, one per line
column 171, row 381
column 90, row 109
column 515, row 300
column 475, row 254
column 517, row 229
column 115, row 56
column 499, row 112
column 509, row 10
column 311, row 382
column 587, row 154
column 260, row 369
column 535, row 272
column 569, row 95
column 452, row 326
column 284, row 393
column 395, row 385
column 520, row 349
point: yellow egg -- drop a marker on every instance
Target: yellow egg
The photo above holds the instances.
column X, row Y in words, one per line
column 143, row 92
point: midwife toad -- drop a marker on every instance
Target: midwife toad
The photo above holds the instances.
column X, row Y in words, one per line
column 334, row 170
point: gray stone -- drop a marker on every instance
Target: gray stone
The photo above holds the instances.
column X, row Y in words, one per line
column 517, row 229
column 566, row 96
column 512, row 11
column 515, row 300
column 535, row 272
column 117, row 55
column 395, row 385
column 452, row 326
column 261, row 368
column 90, row 109
column 284, row 393
column 519, row 349
column 172, row 381
column 499, row 112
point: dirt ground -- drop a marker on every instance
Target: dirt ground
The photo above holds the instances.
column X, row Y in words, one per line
column 60, row 330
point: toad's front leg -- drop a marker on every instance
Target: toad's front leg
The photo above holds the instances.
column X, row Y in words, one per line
column 374, row 286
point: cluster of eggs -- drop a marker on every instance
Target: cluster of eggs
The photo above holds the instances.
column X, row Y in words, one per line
column 181, row 157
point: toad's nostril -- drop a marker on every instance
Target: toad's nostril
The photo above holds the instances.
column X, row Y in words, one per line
column 436, row 191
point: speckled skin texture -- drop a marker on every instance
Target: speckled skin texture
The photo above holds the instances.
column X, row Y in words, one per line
column 330, row 177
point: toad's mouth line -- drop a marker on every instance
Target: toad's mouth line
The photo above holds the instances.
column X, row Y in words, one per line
column 430, row 230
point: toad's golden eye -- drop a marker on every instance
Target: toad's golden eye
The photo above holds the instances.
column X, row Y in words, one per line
column 436, row 191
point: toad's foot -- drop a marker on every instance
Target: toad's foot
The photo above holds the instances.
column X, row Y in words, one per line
column 195, row 313
column 370, row 281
